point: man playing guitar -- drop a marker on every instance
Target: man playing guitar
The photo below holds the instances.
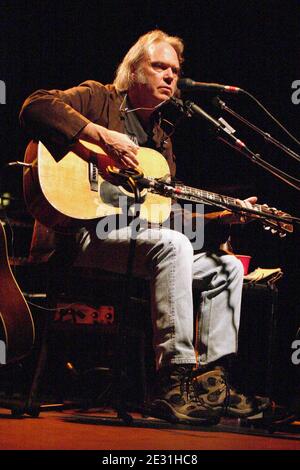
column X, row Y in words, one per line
column 120, row 118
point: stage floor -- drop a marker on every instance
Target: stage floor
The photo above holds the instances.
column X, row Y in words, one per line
column 100, row 430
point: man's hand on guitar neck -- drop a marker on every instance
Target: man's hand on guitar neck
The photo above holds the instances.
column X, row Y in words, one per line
column 228, row 217
column 116, row 145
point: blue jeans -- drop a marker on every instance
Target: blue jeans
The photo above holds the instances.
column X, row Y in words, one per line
column 167, row 259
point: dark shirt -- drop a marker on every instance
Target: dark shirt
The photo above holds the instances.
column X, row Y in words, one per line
column 56, row 118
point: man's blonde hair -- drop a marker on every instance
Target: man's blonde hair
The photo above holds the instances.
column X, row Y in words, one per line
column 137, row 52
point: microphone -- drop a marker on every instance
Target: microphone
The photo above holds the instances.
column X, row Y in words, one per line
column 189, row 85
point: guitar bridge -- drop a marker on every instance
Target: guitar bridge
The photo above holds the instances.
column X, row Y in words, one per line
column 93, row 176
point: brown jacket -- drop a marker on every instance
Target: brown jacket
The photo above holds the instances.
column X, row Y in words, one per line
column 56, row 117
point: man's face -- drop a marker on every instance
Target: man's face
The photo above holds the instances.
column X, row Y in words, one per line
column 157, row 74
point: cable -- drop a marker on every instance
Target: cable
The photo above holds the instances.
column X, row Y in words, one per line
column 127, row 110
column 270, row 115
column 49, row 309
column 256, row 158
column 218, row 102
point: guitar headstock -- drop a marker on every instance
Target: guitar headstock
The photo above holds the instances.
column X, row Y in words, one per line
column 280, row 226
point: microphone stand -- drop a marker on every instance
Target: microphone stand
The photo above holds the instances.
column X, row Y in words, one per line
column 120, row 373
column 252, row 126
column 224, row 130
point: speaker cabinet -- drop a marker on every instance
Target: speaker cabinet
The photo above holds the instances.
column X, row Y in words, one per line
column 254, row 367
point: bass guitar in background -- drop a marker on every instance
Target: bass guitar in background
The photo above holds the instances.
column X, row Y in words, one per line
column 17, row 332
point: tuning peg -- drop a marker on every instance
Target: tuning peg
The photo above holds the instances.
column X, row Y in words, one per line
column 267, row 227
column 273, row 230
column 282, row 234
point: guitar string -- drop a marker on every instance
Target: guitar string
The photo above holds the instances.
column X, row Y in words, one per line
column 261, row 210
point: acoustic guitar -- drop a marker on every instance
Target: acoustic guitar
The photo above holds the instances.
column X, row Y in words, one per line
column 17, row 330
column 66, row 194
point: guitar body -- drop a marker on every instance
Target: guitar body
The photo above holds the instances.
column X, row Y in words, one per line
column 16, row 323
column 69, row 193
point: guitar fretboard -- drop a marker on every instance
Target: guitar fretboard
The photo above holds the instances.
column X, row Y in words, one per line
column 197, row 195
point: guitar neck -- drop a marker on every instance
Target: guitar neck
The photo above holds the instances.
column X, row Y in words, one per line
column 198, row 195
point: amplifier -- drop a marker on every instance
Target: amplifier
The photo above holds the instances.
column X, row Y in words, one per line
column 83, row 314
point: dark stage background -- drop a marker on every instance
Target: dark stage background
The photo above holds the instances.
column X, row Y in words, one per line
column 252, row 44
